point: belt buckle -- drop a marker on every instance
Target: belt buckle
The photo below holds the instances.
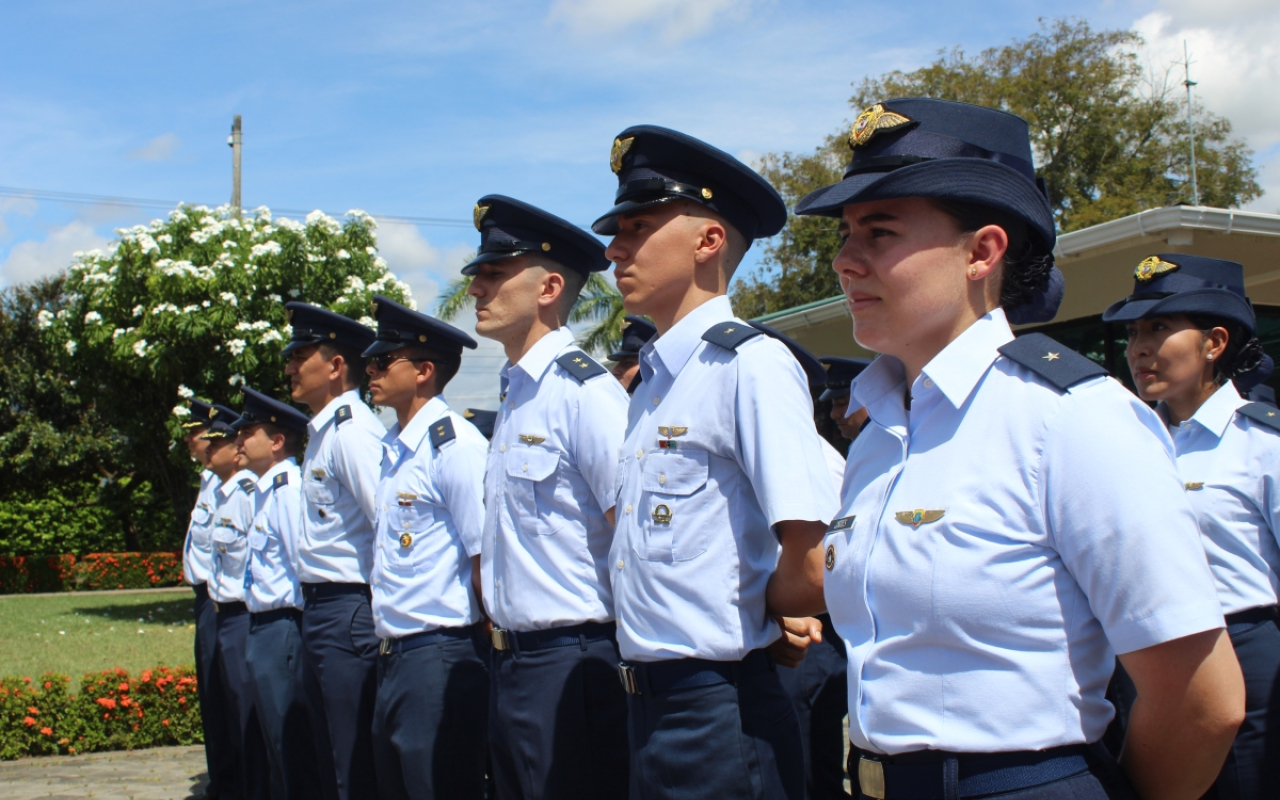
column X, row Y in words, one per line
column 627, row 674
column 871, row 777
column 500, row 639
column 384, row 647
column 216, row 608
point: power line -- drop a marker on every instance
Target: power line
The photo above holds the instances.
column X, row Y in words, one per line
column 136, row 202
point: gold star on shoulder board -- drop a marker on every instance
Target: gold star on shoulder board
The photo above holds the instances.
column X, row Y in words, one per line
column 619, row 149
column 873, row 121
column 1151, row 267
column 477, row 214
column 1051, row 356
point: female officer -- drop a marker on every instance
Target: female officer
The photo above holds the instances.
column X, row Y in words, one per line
column 1191, row 332
column 1012, row 518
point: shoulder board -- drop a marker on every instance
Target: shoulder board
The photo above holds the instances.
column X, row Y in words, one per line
column 441, row 432
column 1263, row 413
column 730, row 335
column 1060, row 366
column 580, row 365
column 247, row 485
column 341, row 415
column 281, row 479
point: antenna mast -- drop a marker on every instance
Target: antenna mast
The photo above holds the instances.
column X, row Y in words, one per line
column 1191, row 131
column 234, row 141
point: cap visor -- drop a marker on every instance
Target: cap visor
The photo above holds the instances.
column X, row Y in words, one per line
column 379, row 347
column 607, row 225
column 831, row 394
column 299, row 343
column 484, row 258
column 621, row 354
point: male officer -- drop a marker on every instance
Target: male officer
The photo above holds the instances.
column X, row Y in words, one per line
column 232, row 517
column 335, row 554
column 722, row 473
column 840, row 375
column 557, row 715
column 636, row 333
column 269, row 436
column 432, row 703
column 197, row 568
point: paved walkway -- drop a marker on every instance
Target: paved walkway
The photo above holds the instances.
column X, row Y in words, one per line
column 161, row 773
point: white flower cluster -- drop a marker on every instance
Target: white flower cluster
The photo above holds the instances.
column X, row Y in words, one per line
column 342, row 254
column 228, row 297
column 268, row 248
column 44, row 318
column 181, row 268
column 270, row 336
column 92, row 316
column 236, row 346
column 236, row 380
column 185, row 393
column 260, row 325
column 140, row 348
column 137, row 310
column 163, row 307
column 319, row 219
column 147, row 244
column 368, row 322
column 71, row 347
column 290, row 225
column 356, row 215
column 181, row 411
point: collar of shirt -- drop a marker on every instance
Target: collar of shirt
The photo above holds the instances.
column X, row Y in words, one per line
column 1216, row 413
column 264, row 483
column 233, row 483
column 322, row 417
column 675, row 347
column 955, row 371
column 410, row 438
column 535, row 362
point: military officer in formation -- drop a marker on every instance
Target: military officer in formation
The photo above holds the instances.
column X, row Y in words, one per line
column 840, row 375
column 636, row 333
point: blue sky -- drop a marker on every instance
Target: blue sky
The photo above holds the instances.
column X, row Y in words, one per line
column 418, row 109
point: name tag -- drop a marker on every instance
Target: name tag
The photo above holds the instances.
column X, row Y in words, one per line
column 842, row 524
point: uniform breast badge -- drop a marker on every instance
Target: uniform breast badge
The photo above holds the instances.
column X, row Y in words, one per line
column 405, row 499
column 831, row 557
column 529, row 438
column 406, row 539
column 318, row 474
column 662, row 515
column 670, row 432
column 919, row 516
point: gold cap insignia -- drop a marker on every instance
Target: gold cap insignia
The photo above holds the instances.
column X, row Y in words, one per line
column 706, row 194
column 831, row 557
column 531, row 439
column 626, row 323
column 873, row 121
column 1151, row 267
column 1194, row 487
column 662, row 515
column 333, row 336
column 671, row 431
column 619, row 149
column 288, row 314
column 422, row 337
column 546, row 247
column 468, row 413
column 213, row 412
column 477, row 214
column 406, row 539
column 919, row 517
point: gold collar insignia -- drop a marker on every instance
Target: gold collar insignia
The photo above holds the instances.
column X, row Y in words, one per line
column 1151, row 267
column 873, row 121
column 620, row 148
column 477, row 214
column 919, row 517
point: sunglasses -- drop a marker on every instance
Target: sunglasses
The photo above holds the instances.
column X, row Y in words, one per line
column 383, row 362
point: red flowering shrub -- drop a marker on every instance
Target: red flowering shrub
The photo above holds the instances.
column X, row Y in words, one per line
column 20, row 574
column 111, row 712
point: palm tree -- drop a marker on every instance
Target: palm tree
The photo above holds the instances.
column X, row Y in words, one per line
column 454, row 299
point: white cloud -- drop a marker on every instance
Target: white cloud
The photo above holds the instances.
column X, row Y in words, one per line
column 160, row 148
column 33, row 259
column 675, row 19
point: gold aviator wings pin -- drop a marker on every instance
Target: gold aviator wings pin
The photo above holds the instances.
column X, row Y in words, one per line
column 919, row 516
column 530, row 439
column 672, row 431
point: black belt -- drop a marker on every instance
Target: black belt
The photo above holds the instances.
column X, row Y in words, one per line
column 413, row 641
column 230, row 609
column 657, row 677
column 275, row 615
column 1251, row 615
column 925, row 775
column 568, row 636
column 320, row 591
column 201, row 589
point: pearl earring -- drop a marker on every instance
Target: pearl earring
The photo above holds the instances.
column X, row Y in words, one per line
column 973, row 272
column 1210, row 356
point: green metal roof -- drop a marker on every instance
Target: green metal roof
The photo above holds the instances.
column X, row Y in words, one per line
column 786, row 312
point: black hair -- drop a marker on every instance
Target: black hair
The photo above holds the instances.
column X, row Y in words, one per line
column 1243, row 352
column 447, row 364
column 295, row 441
column 351, row 358
column 1025, row 271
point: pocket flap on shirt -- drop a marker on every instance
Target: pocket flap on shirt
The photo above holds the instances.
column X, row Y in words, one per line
column 224, row 535
column 257, row 540
column 680, row 473
column 531, row 464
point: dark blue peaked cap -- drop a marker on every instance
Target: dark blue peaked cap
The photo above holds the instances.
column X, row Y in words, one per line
column 636, row 333
column 510, row 228
column 921, row 147
column 657, row 165
column 840, row 374
column 202, row 414
column 399, row 326
column 813, row 370
column 1174, row 283
column 222, row 425
column 260, row 409
column 315, row 325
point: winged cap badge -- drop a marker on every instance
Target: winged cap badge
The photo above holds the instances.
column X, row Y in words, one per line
column 873, row 121
column 619, row 149
column 477, row 214
column 1151, row 267
column 919, row 516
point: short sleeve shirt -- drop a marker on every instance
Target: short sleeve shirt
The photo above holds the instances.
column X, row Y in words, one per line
column 549, row 480
column 1000, row 541
column 339, row 489
column 430, row 512
column 232, row 519
column 272, row 578
column 720, row 447
column 197, row 555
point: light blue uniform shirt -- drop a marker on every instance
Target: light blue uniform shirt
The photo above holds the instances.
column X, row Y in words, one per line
column 272, row 580
column 1230, row 465
column 749, row 458
column 197, row 555
column 232, row 518
column 549, row 480
column 430, row 513
column 339, row 487
column 1060, row 536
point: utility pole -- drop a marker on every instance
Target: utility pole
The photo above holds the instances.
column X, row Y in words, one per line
column 1191, row 130
column 234, row 140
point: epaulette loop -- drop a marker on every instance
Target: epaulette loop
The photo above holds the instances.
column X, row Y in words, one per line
column 730, row 335
column 341, row 415
column 441, row 432
column 1263, row 413
column 1061, row 366
column 247, row 485
column 281, row 479
column 580, row 365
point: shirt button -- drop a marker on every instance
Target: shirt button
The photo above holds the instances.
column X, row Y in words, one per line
column 525, row 468
column 657, row 400
column 662, row 480
column 502, row 449
column 639, row 454
column 628, row 508
column 511, row 404
column 928, row 384
column 619, row 563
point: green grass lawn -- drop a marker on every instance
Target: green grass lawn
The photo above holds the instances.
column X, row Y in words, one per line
column 78, row 633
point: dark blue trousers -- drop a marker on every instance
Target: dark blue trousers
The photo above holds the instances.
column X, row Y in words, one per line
column 430, row 720
column 276, row 665
column 341, row 679
column 217, row 736
column 252, row 778
column 1252, row 770
column 819, row 690
column 558, row 722
column 738, row 739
